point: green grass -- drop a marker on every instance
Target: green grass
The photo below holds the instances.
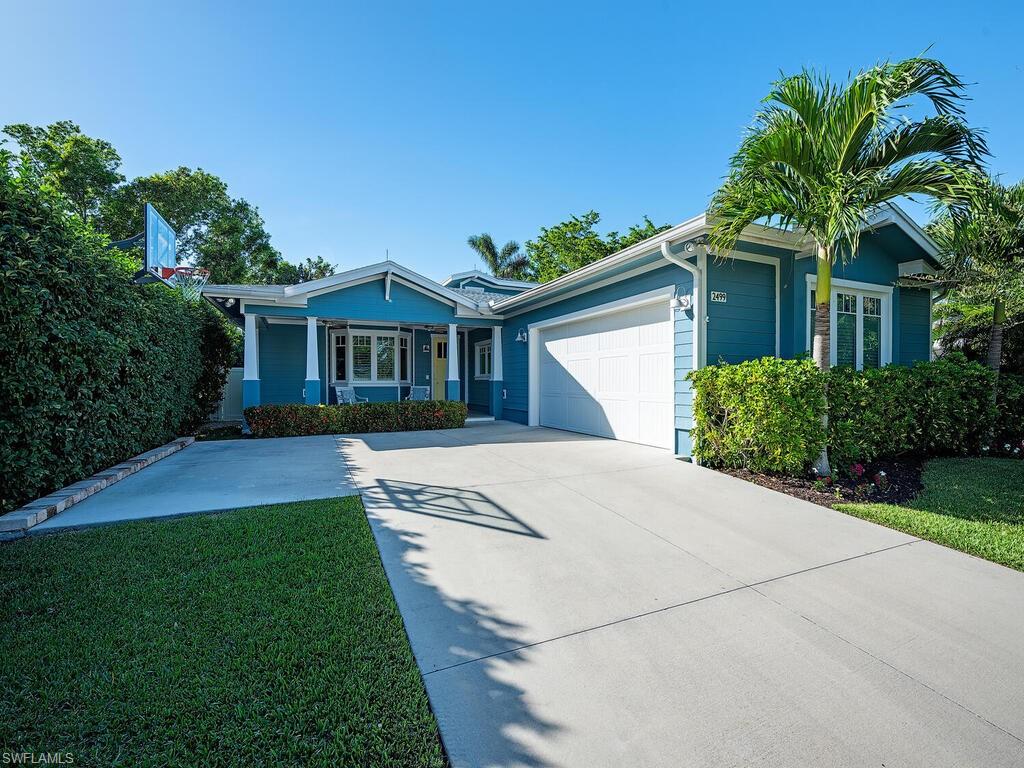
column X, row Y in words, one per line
column 225, row 432
column 974, row 505
column 264, row 636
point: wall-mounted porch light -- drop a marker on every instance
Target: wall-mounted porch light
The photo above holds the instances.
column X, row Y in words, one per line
column 521, row 336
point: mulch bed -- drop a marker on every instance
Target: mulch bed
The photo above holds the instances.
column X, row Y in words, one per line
column 902, row 484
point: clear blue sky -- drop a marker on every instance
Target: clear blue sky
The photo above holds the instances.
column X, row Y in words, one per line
column 369, row 126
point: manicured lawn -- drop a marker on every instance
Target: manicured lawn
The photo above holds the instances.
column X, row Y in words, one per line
column 974, row 505
column 264, row 636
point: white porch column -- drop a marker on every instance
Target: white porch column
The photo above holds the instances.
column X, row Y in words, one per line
column 497, row 374
column 251, row 370
column 452, row 384
column 312, row 363
column 497, row 369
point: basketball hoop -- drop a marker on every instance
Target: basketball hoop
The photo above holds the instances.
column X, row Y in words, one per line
column 188, row 280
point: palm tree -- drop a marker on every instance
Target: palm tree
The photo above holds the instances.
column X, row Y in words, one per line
column 508, row 263
column 983, row 251
column 821, row 157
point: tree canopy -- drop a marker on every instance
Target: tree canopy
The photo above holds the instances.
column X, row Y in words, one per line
column 216, row 231
column 576, row 242
column 982, row 251
column 83, row 170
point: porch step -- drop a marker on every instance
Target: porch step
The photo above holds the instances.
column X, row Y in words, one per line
column 478, row 419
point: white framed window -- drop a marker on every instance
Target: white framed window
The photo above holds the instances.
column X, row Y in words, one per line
column 860, row 323
column 371, row 357
column 483, row 359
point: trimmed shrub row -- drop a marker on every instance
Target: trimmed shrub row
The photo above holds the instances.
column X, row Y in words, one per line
column 762, row 414
column 95, row 368
column 765, row 415
column 295, row 420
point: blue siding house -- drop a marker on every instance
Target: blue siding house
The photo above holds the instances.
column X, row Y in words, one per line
column 603, row 350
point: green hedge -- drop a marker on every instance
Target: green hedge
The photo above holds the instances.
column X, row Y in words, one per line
column 764, row 414
column 297, row 420
column 1010, row 408
column 95, row 368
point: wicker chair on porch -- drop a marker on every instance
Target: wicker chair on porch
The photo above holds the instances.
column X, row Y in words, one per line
column 348, row 396
column 418, row 393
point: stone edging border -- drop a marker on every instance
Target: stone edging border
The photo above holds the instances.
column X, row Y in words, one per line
column 35, row 512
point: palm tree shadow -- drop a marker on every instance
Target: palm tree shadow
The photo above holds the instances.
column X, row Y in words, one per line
column 484, row 719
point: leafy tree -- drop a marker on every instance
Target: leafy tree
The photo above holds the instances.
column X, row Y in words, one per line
column 509, row 262
column 983, row 253
column 81, row 169
column 310, row 269
column 823, row 157
column 190, row 200
column 575, row 243
column 236, row 248
column 225, row 235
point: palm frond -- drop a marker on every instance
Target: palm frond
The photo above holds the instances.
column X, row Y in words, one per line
column 508, row 251
column 485, row 249
column 922, row 76
column 822, row 157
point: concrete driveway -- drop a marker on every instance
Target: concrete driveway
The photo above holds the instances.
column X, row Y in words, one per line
column 574, row 601
column 217, row 475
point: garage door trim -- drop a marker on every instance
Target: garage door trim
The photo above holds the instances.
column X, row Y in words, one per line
column 664, row 294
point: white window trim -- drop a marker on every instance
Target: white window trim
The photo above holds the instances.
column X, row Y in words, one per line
column 859, row 289
column 373, row 381
column 479, row 347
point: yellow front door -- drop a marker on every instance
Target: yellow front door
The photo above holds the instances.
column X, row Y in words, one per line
column 440, row 345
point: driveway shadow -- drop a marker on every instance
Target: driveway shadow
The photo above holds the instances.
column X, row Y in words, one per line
column 485, row 719
column 461, row 505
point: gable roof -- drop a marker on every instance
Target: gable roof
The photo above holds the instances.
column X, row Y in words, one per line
column 889, row 214
column 484, row 277
column 298, row 294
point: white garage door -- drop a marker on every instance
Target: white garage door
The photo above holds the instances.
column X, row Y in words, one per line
column 610, row 375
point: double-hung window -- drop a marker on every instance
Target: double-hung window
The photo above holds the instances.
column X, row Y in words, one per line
column 371, row 357
column 483, row 360
column 860, row 326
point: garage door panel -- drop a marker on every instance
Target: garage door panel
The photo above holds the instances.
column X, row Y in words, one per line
column 621, row 416
column 653, row 370
column 617, row 338
column 585, row 415
column 579, row 378
column 617, row 374
column 611, row 376
column 655, row 423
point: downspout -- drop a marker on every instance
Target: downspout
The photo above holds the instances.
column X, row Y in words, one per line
column 698, row 305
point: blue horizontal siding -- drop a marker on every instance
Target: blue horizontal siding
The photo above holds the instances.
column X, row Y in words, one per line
column 282, row 363
column 915, row 332
column 479, row 389
column 366, row 302
column 743, row 327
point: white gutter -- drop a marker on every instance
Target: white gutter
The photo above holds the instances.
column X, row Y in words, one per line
column 698, row 305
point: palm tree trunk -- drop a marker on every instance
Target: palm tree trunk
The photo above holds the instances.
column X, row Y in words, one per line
column 822, row 349
column 995, row 339
column 995, row 354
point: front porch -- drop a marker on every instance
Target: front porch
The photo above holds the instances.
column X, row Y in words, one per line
column 295, row 360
